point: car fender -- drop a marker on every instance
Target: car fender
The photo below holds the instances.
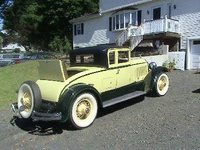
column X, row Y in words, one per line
column 150, row 79
column 69, row 96
column 155, row 72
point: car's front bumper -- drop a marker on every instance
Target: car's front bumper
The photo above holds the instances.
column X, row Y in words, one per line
column 39, row 116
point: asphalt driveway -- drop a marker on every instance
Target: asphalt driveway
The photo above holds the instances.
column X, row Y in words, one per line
column 169, row 122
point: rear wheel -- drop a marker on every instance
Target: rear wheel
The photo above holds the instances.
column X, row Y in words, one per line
column 29, row 99
column 83, row 111
column 162, row 84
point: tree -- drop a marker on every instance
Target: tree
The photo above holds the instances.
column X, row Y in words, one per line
column 44, row 24
column 3, row 5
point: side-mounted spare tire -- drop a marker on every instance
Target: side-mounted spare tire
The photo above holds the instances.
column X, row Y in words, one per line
column 29, row 99
column 161, row 85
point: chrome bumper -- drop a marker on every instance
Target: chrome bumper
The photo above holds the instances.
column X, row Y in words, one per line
column 39, row 116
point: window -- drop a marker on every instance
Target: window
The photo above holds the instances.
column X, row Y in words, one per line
column 156, row 13
column 169, row 10
column 84, row 59
column 114, row 24
column 10, row 56
column 112, row 58
column 123, row 56
column 133, row 20
column 78, row 29
column 127, row 19
column 117, row 22
column 15, row 56
column 196, row 42
column 139, row 17
column 122, row 20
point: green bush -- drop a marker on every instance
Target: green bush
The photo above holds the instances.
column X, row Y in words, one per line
column 170, row 65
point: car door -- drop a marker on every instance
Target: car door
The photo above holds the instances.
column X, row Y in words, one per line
column 125, row 71
column 108, row 78
column 124, row 76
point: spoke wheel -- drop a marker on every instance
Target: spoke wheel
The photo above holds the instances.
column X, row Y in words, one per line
column 29, row 99
column 162, row 84
column 83, row 111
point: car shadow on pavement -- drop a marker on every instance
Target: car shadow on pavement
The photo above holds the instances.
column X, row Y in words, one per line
column 39, row 128
column 52, row 128
column 196, row 91
column 116, row 107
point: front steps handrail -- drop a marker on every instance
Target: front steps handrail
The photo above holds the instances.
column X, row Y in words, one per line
column 136, row 37
column 132, row 33
column 123, row 37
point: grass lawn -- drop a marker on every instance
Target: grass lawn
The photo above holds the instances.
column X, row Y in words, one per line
column 11, row 77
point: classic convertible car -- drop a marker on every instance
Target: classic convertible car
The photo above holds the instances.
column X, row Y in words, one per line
column 98, row 77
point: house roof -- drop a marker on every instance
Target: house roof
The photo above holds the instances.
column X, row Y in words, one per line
column 85, row 17
column 124, row 6
column 116, row 9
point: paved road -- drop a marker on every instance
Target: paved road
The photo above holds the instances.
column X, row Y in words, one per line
column 169, row 122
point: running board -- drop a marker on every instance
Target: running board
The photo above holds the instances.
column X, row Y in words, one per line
column 123, row 98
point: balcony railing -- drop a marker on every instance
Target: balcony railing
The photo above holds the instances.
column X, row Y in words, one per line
column 161, row 25
column 135, row 33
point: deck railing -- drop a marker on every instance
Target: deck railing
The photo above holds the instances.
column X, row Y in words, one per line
column 161, row 25
column 135, row 34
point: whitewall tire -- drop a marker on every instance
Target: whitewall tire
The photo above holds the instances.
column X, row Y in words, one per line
column 162, row 84
column 83, row 110
column 29, row 99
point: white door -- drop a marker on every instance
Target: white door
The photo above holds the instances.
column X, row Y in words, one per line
column 195, row 54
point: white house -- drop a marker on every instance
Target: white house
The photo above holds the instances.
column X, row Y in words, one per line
column 153, row 23
column 12, row 46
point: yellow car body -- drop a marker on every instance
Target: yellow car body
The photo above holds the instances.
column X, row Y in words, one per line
column 106, row 75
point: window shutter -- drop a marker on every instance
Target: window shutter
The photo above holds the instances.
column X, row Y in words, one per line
column 110, row 23
column 82, row 28
column 139, row 17
column 74, row 29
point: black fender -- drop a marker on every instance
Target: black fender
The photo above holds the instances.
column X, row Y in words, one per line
column 150, row 79
column 70, row 94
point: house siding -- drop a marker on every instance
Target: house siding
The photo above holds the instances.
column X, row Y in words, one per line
column 96, row 31
column 188, row 14
column 190, row 27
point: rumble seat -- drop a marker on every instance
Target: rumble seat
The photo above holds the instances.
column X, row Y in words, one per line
column 52, row 70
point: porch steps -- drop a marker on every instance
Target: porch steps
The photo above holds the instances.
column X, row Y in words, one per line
column 132, row 36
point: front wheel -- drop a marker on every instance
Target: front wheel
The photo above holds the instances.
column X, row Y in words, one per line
column 29, row 99
column 83, row 111
column 162, row 84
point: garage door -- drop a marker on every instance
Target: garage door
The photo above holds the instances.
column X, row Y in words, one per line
column 195, row 54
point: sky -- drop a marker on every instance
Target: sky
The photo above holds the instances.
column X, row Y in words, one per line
column 1, row 24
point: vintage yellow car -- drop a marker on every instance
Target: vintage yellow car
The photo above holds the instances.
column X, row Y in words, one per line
column 97, row 77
